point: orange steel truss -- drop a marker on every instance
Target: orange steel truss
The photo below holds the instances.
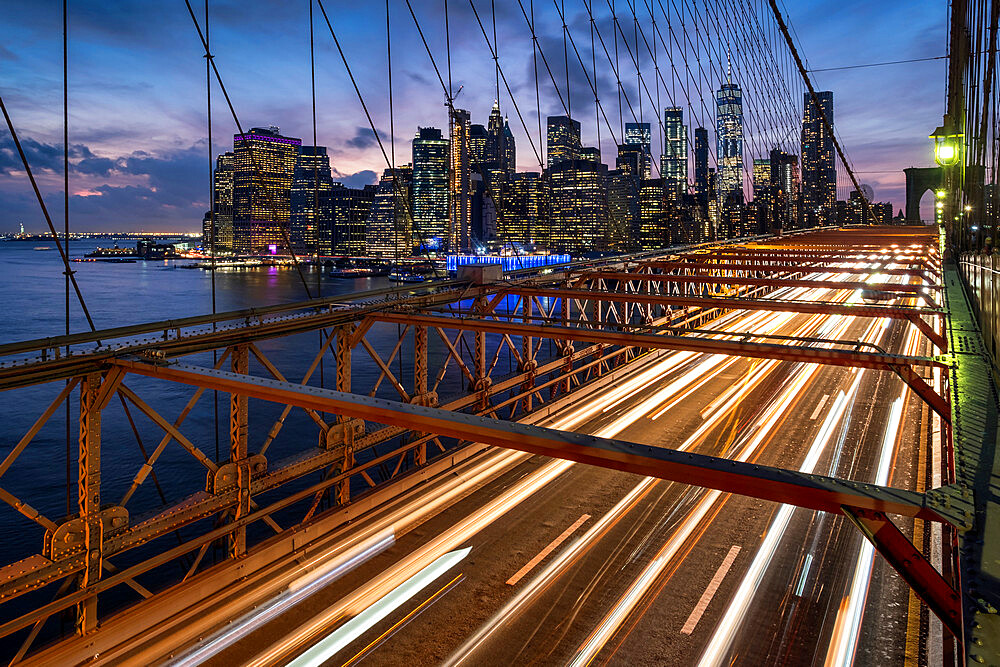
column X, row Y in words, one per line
column 506, row 350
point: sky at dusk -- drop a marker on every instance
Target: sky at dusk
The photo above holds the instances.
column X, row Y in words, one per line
column 138, row 121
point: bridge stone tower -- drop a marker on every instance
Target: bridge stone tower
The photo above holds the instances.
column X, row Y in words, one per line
column 918, row 181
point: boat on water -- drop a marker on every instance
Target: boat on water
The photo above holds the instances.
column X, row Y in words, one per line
column 43, row 247
column 399, row 276
column 351, row 273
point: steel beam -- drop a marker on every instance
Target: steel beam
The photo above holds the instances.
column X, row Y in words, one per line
column 900, row 364
column 775, row 255
column 672, row 342
column 343, row 347
column 914, row 315
column 774, row 268
column 814, row 492
column 940, row 596
column 420, row 390
column 238, row 424
column 766, row 282
column 89, row 498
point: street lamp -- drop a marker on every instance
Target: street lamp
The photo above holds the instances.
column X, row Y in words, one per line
column 947, row 146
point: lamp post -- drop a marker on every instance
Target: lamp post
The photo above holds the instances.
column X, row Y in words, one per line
column 948, row 144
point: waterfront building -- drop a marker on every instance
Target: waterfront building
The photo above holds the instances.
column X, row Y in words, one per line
column 562, row 139
column 460, row 184
column 674, row 161
column 430, row 185
column 389, row 232
column 345, row 231
column 729, row 144
column 310, row 197
column 638, row 134
column 218, row 222
column 262, row 184
column 819, row 167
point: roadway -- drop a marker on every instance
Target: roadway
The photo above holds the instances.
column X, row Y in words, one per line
column 644, row 571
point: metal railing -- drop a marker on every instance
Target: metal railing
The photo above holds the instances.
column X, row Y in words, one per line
column 981, row 273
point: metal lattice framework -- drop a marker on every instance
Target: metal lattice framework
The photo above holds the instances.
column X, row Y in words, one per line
column 557, row 331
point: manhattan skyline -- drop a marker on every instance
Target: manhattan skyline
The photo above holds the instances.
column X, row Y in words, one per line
column 138, row 133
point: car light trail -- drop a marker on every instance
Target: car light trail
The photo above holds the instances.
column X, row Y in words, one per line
column 354, row 628
column 696, row 375
column 718, row 648
column 356, row 602
column 765, row 426
column 550, row 572
column 844, row 642
column 331, row 566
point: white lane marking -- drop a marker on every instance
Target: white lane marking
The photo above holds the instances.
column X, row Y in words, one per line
column 819, row 407
column 709, row 593
column 547, row 550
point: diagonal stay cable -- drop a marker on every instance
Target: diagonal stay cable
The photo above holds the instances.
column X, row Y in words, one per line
column 45, row 213
column 253, row 160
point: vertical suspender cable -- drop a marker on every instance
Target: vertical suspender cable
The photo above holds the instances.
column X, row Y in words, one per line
column 569, row 98
column 392, row 143
column 319, row 263
column 312, row 81
column 69, row 433
column 496, row 54
column 211, row 215
column 538, row 103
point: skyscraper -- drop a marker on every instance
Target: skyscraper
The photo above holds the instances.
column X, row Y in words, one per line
column 500, row 150
column 578, row 205
column 562, row 139
column 701, row 167
column 761, row 176
column 388, row 231
column 310, row 196
column 729, row 140
column 623, row 206
column 262, row 184
column 219, row 222
column 480, row 147
column 430, row 184
column 785, row 188
column 349, row 210
column 631, row 159
column 653, row 232
column 762, row 205
column 520, row 220
column 674, row 162
column 508, row 149
column 819, row 168
column 460, row 185
column 638, row 134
